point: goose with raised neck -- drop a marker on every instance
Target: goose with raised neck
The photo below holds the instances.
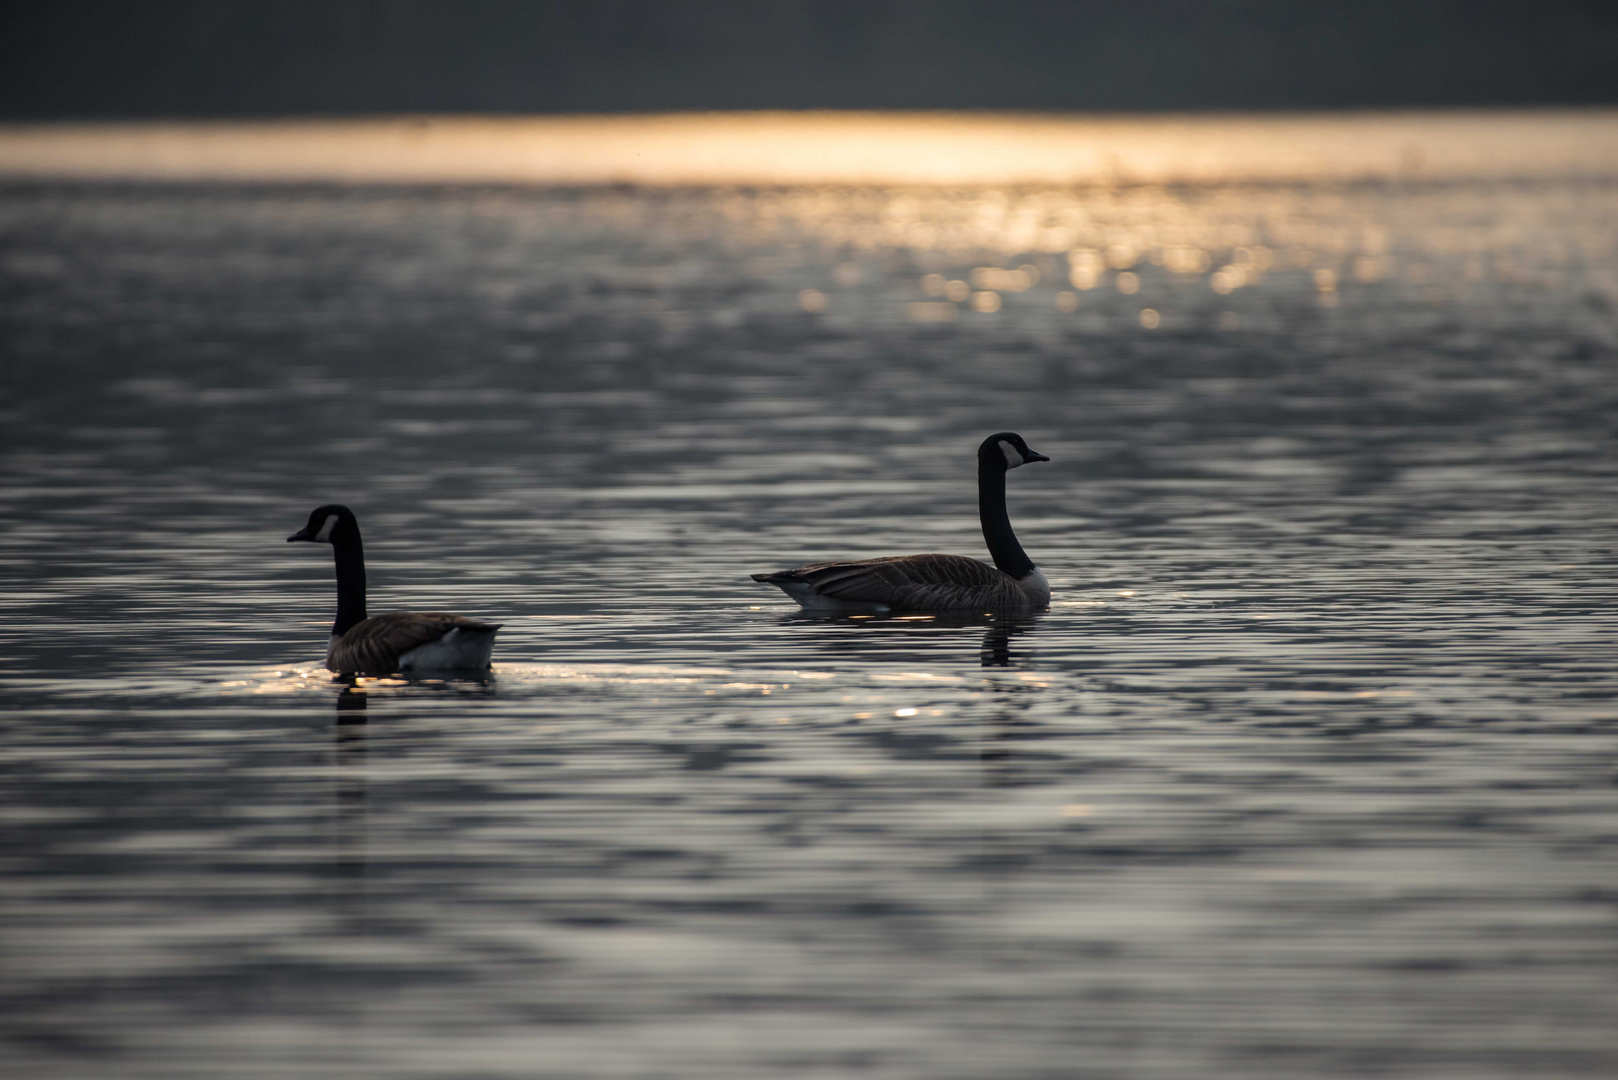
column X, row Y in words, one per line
column 937, row 582
column 401, row 641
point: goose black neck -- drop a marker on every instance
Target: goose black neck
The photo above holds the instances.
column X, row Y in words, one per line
column 1008, row 554
column 350, row 555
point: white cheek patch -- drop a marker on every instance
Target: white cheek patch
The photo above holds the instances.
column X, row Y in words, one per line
column 1013, row 458
column 324, row 535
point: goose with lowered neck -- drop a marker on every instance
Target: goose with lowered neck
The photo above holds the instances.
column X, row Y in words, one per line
column 402, row 641
column 937, row 582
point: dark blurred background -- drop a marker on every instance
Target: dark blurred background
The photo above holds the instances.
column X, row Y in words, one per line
column 199, row 58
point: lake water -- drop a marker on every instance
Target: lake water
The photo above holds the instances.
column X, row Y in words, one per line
column 1309, row 770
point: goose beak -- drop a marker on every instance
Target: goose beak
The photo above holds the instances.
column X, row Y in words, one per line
column 302, row 534
column 1035, row 457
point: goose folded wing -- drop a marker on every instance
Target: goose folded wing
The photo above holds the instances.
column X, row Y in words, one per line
column 949, row 570
column 376, row 644
column 882, row 581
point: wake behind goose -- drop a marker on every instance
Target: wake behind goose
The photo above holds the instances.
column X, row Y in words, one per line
column 937, row 582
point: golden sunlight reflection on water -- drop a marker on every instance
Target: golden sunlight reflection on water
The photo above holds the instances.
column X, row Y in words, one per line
column 831, row 147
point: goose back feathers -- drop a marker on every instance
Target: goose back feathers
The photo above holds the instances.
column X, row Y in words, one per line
column 403, row 641
column 936, row 582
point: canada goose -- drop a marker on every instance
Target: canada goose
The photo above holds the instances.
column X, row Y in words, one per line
column 936, row 582
column 401, row 641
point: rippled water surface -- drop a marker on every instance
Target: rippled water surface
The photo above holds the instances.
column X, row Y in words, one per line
column 1308, row 771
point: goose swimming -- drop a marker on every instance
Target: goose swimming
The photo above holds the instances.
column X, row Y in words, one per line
column 937, row 582
column 403, row 641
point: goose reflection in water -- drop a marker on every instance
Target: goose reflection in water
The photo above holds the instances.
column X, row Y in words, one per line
column 1008, row 728
column 350, row 760
column 351, row 702
column 1008, row 733
column 916, row 638
column 997, row 650
column 350, row 789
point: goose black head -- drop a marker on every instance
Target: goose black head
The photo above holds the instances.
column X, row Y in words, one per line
column 325, row 523
column 1007, row 448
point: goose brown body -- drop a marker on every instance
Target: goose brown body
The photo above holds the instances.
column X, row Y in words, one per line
column 411, row 641
column 936, row 582
column 912, row 583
